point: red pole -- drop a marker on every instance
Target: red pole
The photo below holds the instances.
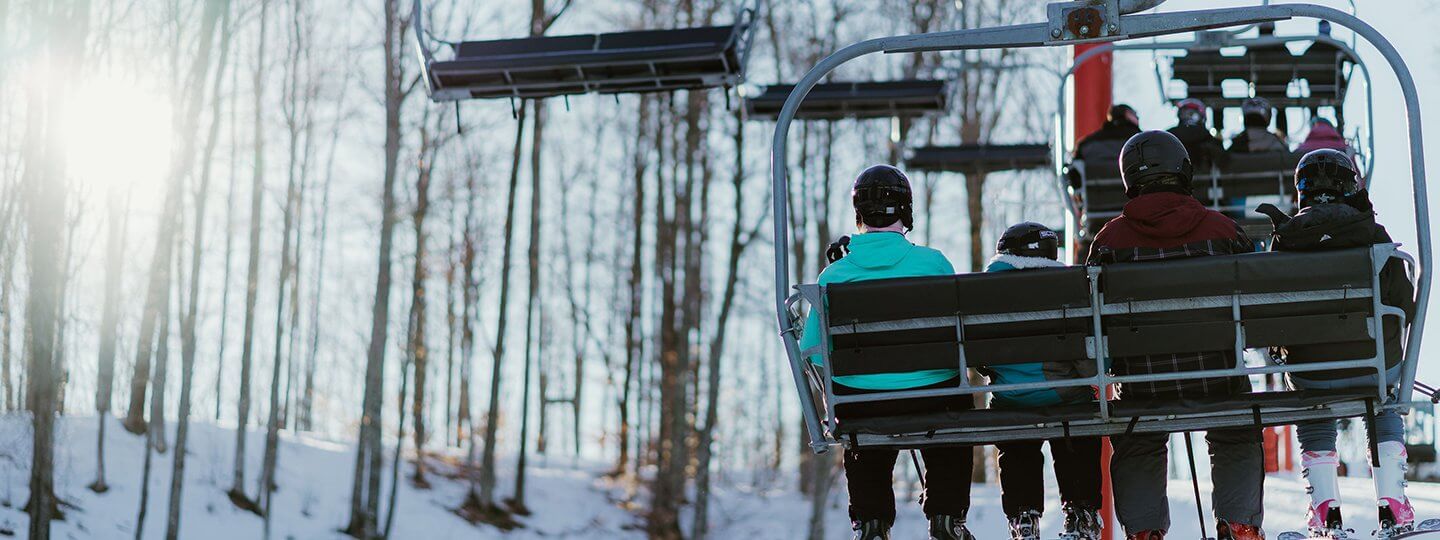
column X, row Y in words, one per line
column 1090, row 102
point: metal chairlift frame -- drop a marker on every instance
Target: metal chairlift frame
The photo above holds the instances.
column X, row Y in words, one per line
column 1126, row 24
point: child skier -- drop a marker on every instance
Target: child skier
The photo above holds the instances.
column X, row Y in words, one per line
column 1077, row 460
column 1336, row 214
column 882, row 200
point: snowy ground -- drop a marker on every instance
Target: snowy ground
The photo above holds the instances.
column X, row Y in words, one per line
column 570, row 502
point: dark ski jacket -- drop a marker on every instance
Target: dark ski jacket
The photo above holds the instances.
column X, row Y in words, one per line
column 1204, row 149
column 1162, row 226
column 1324, row 227
column 1256, row 141
column 1105, row 143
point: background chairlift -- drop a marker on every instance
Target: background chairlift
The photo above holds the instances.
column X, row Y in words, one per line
column 984, row 158
column 858, row 100
column 1320, row 76
column 611, row 63
column 1093, row 313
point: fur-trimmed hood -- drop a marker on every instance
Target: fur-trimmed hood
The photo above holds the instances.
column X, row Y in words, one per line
column 1005, row 261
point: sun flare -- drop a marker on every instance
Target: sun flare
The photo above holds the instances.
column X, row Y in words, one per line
column 118, row 134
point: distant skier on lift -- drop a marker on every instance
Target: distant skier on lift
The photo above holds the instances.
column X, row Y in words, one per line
column 1022, row 464
column 1204, row 149
column 883, row 214
column 1163, row 221
column 1335, row 213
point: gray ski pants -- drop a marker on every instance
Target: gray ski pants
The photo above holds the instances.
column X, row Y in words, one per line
column 1138, row 469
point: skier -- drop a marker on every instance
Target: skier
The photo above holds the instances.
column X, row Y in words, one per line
column 1103, row 146
column 1077, row 459
column 1323, row 135
column 883, row 215
column 1336, row 213
column 1121, row 123
column 1163, row 221
column 1204, row 149
column 1257, row 137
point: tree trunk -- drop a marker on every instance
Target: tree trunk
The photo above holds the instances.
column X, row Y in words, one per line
column 633, row 346
column 109, row 325
column 517, row 503
column 492, row 416
column 418, row 351
column 365, row 502
column 44, row 183
column 739, row 241
column 252, row 272
column 405, row 368
column 214, row 10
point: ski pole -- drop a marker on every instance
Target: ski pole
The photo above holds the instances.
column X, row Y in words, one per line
column 1195, row 482
column 915, row 458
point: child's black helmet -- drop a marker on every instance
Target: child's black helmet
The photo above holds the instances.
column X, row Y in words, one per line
column 882, row 196
column 1029, row 239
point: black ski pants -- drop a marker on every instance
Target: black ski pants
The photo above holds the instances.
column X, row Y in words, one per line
column 1022, row 473
column 869, row 472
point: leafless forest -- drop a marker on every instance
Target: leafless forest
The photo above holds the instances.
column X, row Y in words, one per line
column 248, row 213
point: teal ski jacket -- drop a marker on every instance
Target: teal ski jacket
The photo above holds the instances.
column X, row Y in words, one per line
column 1034, row 372
column 881, row 255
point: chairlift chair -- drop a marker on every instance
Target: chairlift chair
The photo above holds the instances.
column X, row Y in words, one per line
column 1091, row 314
column 609, row 63
column 1321, row 73
column 983, row 158
column 859, row 100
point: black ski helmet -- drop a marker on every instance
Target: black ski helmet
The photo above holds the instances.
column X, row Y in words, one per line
column 1029, row 239
column 881, row 196
column 1120, row 113
column 1257, row 112
column 1155, row 159
column 1324, row 176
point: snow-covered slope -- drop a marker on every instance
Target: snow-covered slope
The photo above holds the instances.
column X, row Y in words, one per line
column 569, row 501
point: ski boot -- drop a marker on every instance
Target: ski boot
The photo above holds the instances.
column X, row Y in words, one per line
column 1225, row 530
column 949, row 528
column 1081, row 523
column 1151, row 534
column 1025, row 526
column 1321, row 471
column 1396, row 515
column 874, row 529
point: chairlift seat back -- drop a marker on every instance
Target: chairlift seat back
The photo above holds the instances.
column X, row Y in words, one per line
column 638, row 61
column 874, row 99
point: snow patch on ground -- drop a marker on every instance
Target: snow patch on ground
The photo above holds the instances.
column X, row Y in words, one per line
column 570, row 501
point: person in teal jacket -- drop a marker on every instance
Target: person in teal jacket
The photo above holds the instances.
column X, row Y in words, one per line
column 882, row 200
column 1077, row 459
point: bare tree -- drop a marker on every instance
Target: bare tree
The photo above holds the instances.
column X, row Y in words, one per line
column 214, row 11
column 365, row 496
column 252, row 272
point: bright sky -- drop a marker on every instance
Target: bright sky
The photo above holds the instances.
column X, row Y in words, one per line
column 1409, row 24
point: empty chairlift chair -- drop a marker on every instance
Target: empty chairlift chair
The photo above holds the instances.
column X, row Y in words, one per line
column 984, row 158
column 610, row 63
column 858, row 100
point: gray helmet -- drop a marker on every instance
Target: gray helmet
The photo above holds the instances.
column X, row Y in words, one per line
column 1155, row 161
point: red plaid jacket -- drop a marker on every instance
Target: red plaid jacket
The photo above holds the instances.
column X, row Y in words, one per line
column 1160, row 226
